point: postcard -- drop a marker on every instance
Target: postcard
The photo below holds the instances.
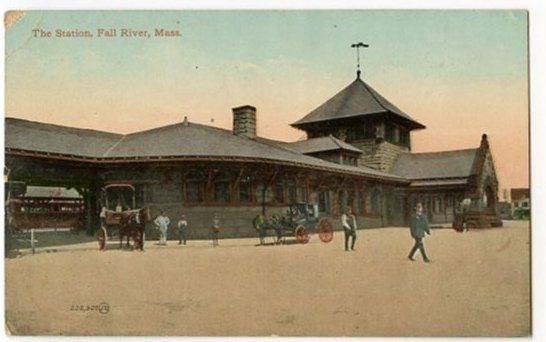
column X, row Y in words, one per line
column 267, row 173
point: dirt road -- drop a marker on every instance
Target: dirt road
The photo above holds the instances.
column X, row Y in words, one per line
column 477, row 285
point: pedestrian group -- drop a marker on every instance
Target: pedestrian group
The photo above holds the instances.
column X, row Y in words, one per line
column 162, row 223
column 418, row 228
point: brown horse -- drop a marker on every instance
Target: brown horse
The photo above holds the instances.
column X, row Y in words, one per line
column 132, row 225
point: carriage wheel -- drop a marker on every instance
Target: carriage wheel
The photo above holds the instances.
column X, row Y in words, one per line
column 324, row 228
column 301, row 235
column 101, row 237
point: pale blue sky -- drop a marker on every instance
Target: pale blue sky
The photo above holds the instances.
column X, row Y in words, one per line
column 460, row 72
column 461, row 44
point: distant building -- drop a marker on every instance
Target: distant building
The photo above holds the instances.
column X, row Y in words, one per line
column 358, row 153
column 521, row 202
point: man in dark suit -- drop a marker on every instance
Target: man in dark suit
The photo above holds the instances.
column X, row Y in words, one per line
column 418, row 228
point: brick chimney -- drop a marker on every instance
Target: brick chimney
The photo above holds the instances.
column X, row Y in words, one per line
column 244, row 121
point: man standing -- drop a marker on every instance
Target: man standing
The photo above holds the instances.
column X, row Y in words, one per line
column 182, row 227
column 215, row 230
column 418, row 228
column 162, row 223
column 348, row 220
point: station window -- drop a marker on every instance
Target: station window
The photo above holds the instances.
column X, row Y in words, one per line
column 404, row 138
column 373, row 202
column 194, row 191
column 361, row 201
column 302, row 194
column 278, row 193
column 221, row 191
column 341, row 201
column 389, row 132
column 437, row 204
column 369, row 131
column 351, row 200
column 292, row 194
column 323, row 201
column 165, row 192
column 245, row 192
column 449, row 201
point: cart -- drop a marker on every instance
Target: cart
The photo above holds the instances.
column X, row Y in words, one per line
column 120, row 216
column 300, row 220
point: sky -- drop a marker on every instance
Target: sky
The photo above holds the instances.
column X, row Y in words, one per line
column 461, row 73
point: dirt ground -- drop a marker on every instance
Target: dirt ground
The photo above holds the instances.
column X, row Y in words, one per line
column 477, row 285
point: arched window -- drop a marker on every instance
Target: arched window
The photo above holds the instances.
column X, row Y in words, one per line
column 323, row 200
column 489, row 198
column 437, row 204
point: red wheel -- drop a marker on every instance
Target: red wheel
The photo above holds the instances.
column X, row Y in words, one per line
column 101, row 237
column 301, row 235
column 324, row 228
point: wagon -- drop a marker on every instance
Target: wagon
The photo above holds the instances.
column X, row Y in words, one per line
column 300, row 220
column 120, row 216
column 471, row 214
column 31, row 213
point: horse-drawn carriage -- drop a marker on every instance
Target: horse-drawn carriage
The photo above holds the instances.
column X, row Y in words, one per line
column 301, row 218
column 120, row 216
column 25, row 214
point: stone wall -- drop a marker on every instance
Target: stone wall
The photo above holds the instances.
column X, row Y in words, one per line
column 488, row 177
column 378, row 155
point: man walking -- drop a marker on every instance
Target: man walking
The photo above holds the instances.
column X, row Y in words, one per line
column 418, row 228
column 162, row 223
column 215, row 230
column 348, row 220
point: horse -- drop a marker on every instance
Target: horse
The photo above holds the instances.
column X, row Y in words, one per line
column 132, row 225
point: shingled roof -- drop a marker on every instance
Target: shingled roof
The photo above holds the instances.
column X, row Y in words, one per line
column 49, row 138
column 433, row 165
column 185, row 140
column 322, row 144
column 357, row 99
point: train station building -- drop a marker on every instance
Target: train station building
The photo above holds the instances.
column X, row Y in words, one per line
column 357, row 152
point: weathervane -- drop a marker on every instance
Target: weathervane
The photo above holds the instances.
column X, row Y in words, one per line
column 358, row 46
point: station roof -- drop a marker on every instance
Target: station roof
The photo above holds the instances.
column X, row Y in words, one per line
column 322, row 144
column 446, row 164
column 182, row 140
column 358, row 99
column 50, row 138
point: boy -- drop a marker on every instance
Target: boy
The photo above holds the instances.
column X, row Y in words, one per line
column 182, row 227
column 348, row 220
column 215, row 230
